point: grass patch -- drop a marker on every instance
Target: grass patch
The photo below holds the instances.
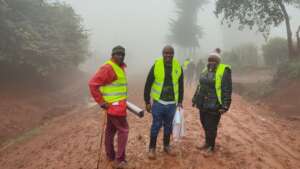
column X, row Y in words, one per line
column 25, row 136
column 254, row 91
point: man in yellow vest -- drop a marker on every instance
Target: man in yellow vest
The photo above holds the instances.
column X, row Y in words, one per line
column 213, row 98
column 165, row 86
column 109, row 89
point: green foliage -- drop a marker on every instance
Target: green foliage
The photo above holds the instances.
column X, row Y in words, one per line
column 46, row 36
column 255, row 90
column 290, row 70
column 262, row 14
column 275, row 51
column 185, row 31
column 243, row 55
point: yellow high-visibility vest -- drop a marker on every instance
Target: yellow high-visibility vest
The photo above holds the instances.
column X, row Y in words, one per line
column 159, row 76
column 117, row 90
column 218, row 79
column 186, row 64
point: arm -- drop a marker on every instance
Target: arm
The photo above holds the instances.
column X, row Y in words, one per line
column 105, row 75
column 226, row 89
column 196, row 94
column 181, row 87
column 148, row 86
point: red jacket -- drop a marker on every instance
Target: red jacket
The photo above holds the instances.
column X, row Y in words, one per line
column 104, row 76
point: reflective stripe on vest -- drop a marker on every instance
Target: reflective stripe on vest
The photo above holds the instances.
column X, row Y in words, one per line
column 218, row 79
column 159, row 78
column 116, row 91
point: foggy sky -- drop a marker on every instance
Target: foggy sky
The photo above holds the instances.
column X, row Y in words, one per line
column 142, row 26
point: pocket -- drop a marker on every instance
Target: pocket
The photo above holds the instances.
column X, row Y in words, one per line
column 118, row 109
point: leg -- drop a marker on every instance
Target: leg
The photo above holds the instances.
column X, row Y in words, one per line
column 156, row 123
column 109, row 139
column 212, row 128
column 203, row 120
column 168, row 116
column 122, row 127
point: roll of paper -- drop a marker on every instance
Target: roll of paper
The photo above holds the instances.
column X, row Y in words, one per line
column 135, row 109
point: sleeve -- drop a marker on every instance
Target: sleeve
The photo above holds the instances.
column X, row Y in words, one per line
column 181, row 87
column 196, row 94
column 148, row 85
column 105, row 75
column 226, row 89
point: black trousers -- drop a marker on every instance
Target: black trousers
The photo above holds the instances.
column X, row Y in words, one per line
column 210, row 122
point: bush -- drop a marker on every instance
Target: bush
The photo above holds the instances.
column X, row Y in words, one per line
column 290, row 70
column 243, row 55
column 45, row 36
column 275, row 52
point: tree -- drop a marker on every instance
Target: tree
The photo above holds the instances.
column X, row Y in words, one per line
column 261, row 14
column 243, row 55
column 275, row 52
column 44, row 36
column 185, row 32
column 298, row 39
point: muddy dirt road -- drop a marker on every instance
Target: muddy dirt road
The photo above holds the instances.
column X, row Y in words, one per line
column 246, row 140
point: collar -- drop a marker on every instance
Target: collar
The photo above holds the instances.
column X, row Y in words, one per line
column 123, row 65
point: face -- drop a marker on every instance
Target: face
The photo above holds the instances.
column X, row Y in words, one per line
column 168, row 54
column 212, row 65
column 212, row 62
column 119, row 58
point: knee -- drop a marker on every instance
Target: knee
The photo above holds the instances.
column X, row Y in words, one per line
column 155, row 127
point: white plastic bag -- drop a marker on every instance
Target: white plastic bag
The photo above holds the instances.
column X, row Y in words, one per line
column 178, row 124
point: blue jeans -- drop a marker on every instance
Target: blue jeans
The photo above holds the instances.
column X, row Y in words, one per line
column 163, row 115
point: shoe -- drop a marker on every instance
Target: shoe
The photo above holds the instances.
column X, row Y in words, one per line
column 202, row 147
column 152, row 154
column 209, row 152
column 120, row 165
column 168, row 150
column 108, row 159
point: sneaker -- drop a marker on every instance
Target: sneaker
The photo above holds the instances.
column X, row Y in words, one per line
column 209, row 152
column 202, row 147
column 152, row 154
column 120, row 165
column 168, row 150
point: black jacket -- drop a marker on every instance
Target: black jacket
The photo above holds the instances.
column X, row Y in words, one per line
column 205, row 97
column 166, row 95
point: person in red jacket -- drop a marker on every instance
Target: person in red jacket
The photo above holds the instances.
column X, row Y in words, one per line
column 109, row 75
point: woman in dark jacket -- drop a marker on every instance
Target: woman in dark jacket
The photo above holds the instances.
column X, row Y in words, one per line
column 213, row 98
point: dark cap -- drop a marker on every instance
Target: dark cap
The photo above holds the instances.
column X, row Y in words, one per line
column 118, row 49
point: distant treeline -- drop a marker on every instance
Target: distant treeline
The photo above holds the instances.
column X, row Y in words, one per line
column 43, row 36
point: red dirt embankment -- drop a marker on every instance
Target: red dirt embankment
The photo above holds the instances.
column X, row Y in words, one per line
column 286, row 99
column 28, row 104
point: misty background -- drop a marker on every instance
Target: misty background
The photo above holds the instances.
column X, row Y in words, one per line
column 142, row 26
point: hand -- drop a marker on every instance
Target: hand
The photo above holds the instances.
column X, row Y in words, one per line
column 104, row 106
column 148, row 107
column 223, row 110
column 194, row 104
column 180, row 105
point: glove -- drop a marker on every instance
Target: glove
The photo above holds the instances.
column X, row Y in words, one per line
column 104, row 106
column 148, row 107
